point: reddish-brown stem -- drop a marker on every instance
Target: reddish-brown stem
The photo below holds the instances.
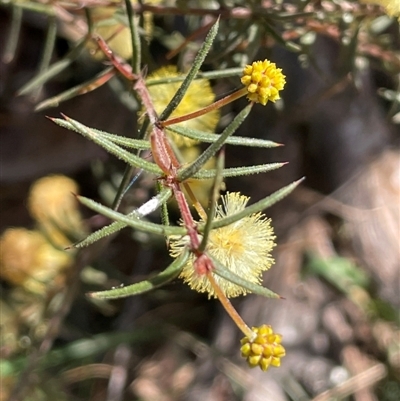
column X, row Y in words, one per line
column 118, row 63
column 126, row 70
column 214, row 106
column 186, row 216
column 99, row 82
column 160, row 154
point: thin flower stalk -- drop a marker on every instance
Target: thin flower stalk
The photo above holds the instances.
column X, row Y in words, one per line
column 240, row 323
column 214, row 106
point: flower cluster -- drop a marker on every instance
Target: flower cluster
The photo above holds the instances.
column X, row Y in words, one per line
column 244, row 247
column 264, row 350
column 263, row 81
column 34, row 263
column 33, row 259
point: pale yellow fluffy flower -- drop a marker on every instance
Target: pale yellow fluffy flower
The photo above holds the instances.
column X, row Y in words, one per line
column 243, row 247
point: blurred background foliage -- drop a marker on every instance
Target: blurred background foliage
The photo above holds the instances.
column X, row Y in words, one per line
column 338, row 256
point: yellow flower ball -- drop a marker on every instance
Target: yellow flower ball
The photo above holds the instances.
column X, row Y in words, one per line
column 116, row 34
column 27, row 259
column 243, row 247
column 52, row 204
column 263, row 81
column 264, row 350
column 198, row 95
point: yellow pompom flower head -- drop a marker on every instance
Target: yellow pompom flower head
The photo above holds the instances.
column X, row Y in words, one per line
column 262, row 80
column 263, row 350
column 244, row 247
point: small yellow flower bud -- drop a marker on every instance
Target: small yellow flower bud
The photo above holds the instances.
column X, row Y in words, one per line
column 263, row 81
column 275, row 361
column 264, row 363
column 265, row 350
column 254, row 360
column 256, row 349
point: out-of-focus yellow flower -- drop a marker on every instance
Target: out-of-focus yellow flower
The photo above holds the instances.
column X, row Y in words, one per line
column 243, row 247
column 114, row 32
column 197, row 96
column 264, row 350
column 27, row 259
column 392, row 7
column 52, row 204
column 263, row 81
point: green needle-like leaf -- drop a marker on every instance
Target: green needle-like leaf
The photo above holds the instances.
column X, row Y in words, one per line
column 116, row 226
column 111, row 147
column 170, row 273
column 124, row 141
column 224, row 73
column 48, row 49
column 81, row 89
column 225, row 273
column 132, row 221
column 198, row 61
column 53, row 70
column 256, row 207
column 214, row 147
column 15, row 30
column 213, row 201
column 238, row 171
column 45, row 9
column 210, row 138
column 135, row 38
